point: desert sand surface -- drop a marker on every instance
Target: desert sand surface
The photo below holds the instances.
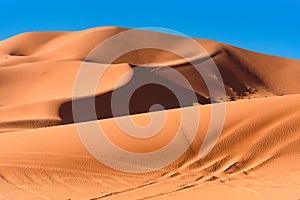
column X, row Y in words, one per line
column 42, row 156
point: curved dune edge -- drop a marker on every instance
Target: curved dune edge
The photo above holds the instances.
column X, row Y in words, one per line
column 36, row 162
column 256, row 157
column 43, row 67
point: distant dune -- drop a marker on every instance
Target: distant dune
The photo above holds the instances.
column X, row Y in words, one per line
column 42, row 157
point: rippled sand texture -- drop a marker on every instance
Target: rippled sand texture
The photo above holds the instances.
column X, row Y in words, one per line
column 42, row 157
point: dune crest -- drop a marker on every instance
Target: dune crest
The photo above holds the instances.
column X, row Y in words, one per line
column 257, row 154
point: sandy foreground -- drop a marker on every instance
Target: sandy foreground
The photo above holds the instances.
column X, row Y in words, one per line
column 42, row 156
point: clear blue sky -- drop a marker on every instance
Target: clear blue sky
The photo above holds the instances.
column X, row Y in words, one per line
column 268, row 26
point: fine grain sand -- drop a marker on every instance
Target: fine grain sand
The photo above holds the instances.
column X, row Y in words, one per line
column 42, row 157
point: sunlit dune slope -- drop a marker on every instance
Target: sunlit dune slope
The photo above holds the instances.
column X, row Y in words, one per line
column 42, row 156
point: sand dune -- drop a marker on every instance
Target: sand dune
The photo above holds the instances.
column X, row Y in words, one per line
column 43, row 157
column 261, row 151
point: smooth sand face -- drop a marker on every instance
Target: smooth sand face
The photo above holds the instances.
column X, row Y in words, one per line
column 42, row 157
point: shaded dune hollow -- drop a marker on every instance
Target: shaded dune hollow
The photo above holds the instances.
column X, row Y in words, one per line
column 42, row 152
column 133, row 98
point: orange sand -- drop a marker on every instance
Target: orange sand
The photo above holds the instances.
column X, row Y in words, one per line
column 41, row 156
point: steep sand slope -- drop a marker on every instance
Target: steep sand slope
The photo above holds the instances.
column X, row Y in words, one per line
column 42, row 157
column 42, row 68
